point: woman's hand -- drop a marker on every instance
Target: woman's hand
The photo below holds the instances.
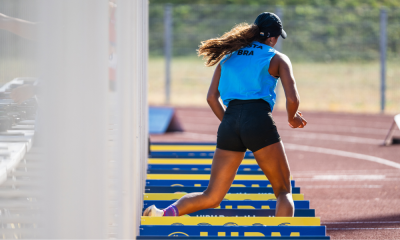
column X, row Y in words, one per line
column 297, row 121
column 22, row 93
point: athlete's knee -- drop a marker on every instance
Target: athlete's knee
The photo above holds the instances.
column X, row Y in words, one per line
column 212, row 200
column 214, row 203
column 284, row 193
column 282, row 188
column 285, row 188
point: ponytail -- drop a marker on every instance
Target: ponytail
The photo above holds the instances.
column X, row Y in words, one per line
column 213, row 50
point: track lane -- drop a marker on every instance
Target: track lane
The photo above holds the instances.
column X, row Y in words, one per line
column 352, row 207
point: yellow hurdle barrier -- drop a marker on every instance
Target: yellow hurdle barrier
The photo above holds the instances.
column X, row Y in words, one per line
column 182, row 148
column 194, row 161
column 201, row 177
column 233, row 221
column 229, row 196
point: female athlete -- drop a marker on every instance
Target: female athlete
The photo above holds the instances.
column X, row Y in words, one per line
column 245, row 79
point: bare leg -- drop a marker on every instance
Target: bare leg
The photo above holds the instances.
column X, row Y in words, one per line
column 224, row 167
column 273, row 162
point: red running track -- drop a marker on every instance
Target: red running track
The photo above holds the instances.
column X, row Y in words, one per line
column 351, row 180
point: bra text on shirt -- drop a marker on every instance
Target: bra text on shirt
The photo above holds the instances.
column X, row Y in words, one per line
column 245, row 52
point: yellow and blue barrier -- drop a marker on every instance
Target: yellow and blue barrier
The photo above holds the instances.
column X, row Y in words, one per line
column 244, row 190
column 235, row 204
column 247, row 232
column 247, row 211
column 204, row 183
column 187, row 161
column 232, row 221
column 229, row 196
column 186, row 176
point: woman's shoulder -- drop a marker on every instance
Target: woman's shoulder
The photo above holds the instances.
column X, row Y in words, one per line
column 278, row 61
column 280, row 57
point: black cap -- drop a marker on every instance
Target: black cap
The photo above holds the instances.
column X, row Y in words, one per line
column 270, row 25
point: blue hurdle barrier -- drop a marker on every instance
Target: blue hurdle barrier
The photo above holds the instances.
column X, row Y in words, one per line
column 189, row 154
column 247, row 213
column 173, row 171
column 195, row 167
column 233, row 204
column 163, row 189
column 232, row 231
column 236, row 238
column 204, row 183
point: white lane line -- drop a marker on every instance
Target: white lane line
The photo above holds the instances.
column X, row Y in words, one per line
column 331, row 137
column 371, row 222
column 299, row 179
column 291, row 146
column 342, row 122
column 375, row 126
column 307, row 135
column 387, row 172
column 351, row 229
column 336, row 129
column 349, row 177
column 342, row 154
column 342, row 186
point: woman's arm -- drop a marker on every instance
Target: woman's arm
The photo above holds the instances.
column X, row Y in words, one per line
column 20, row 27
column 295, row 118
column 213, row 94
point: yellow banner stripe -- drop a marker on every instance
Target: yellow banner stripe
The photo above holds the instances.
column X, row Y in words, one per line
column 206, row 161
column 182, row 148
column 241, row 221
column 229, row 196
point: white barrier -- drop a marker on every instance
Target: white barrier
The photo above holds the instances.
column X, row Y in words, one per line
column 132, row 143
column 397, row 120
column 389, row 137
column 87, row 179
column 73, row 54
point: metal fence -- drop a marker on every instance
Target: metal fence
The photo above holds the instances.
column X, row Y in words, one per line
column 315, row 35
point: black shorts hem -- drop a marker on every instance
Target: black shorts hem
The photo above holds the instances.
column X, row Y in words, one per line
column 230, row 149
column 266, row 144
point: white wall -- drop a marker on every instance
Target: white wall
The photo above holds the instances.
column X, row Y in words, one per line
column 132, row 51
column 81, row 191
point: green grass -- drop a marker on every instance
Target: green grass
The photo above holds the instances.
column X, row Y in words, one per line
column 12, row 68
column 338, row 87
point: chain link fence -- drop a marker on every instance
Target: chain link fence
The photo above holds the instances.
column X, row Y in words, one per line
column 314, row 34
column 343, row 41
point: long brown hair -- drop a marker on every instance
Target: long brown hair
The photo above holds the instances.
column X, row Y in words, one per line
column 241, row 35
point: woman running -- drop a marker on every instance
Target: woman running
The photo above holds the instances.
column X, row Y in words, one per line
column 245, row 79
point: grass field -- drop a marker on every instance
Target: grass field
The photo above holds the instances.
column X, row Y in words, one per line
column 12, row 68
column 339, row 87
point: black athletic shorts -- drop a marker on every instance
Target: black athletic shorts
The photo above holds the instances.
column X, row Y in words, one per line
column 247, row 124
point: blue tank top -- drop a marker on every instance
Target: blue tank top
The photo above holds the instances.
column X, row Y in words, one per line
column 245, row 76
